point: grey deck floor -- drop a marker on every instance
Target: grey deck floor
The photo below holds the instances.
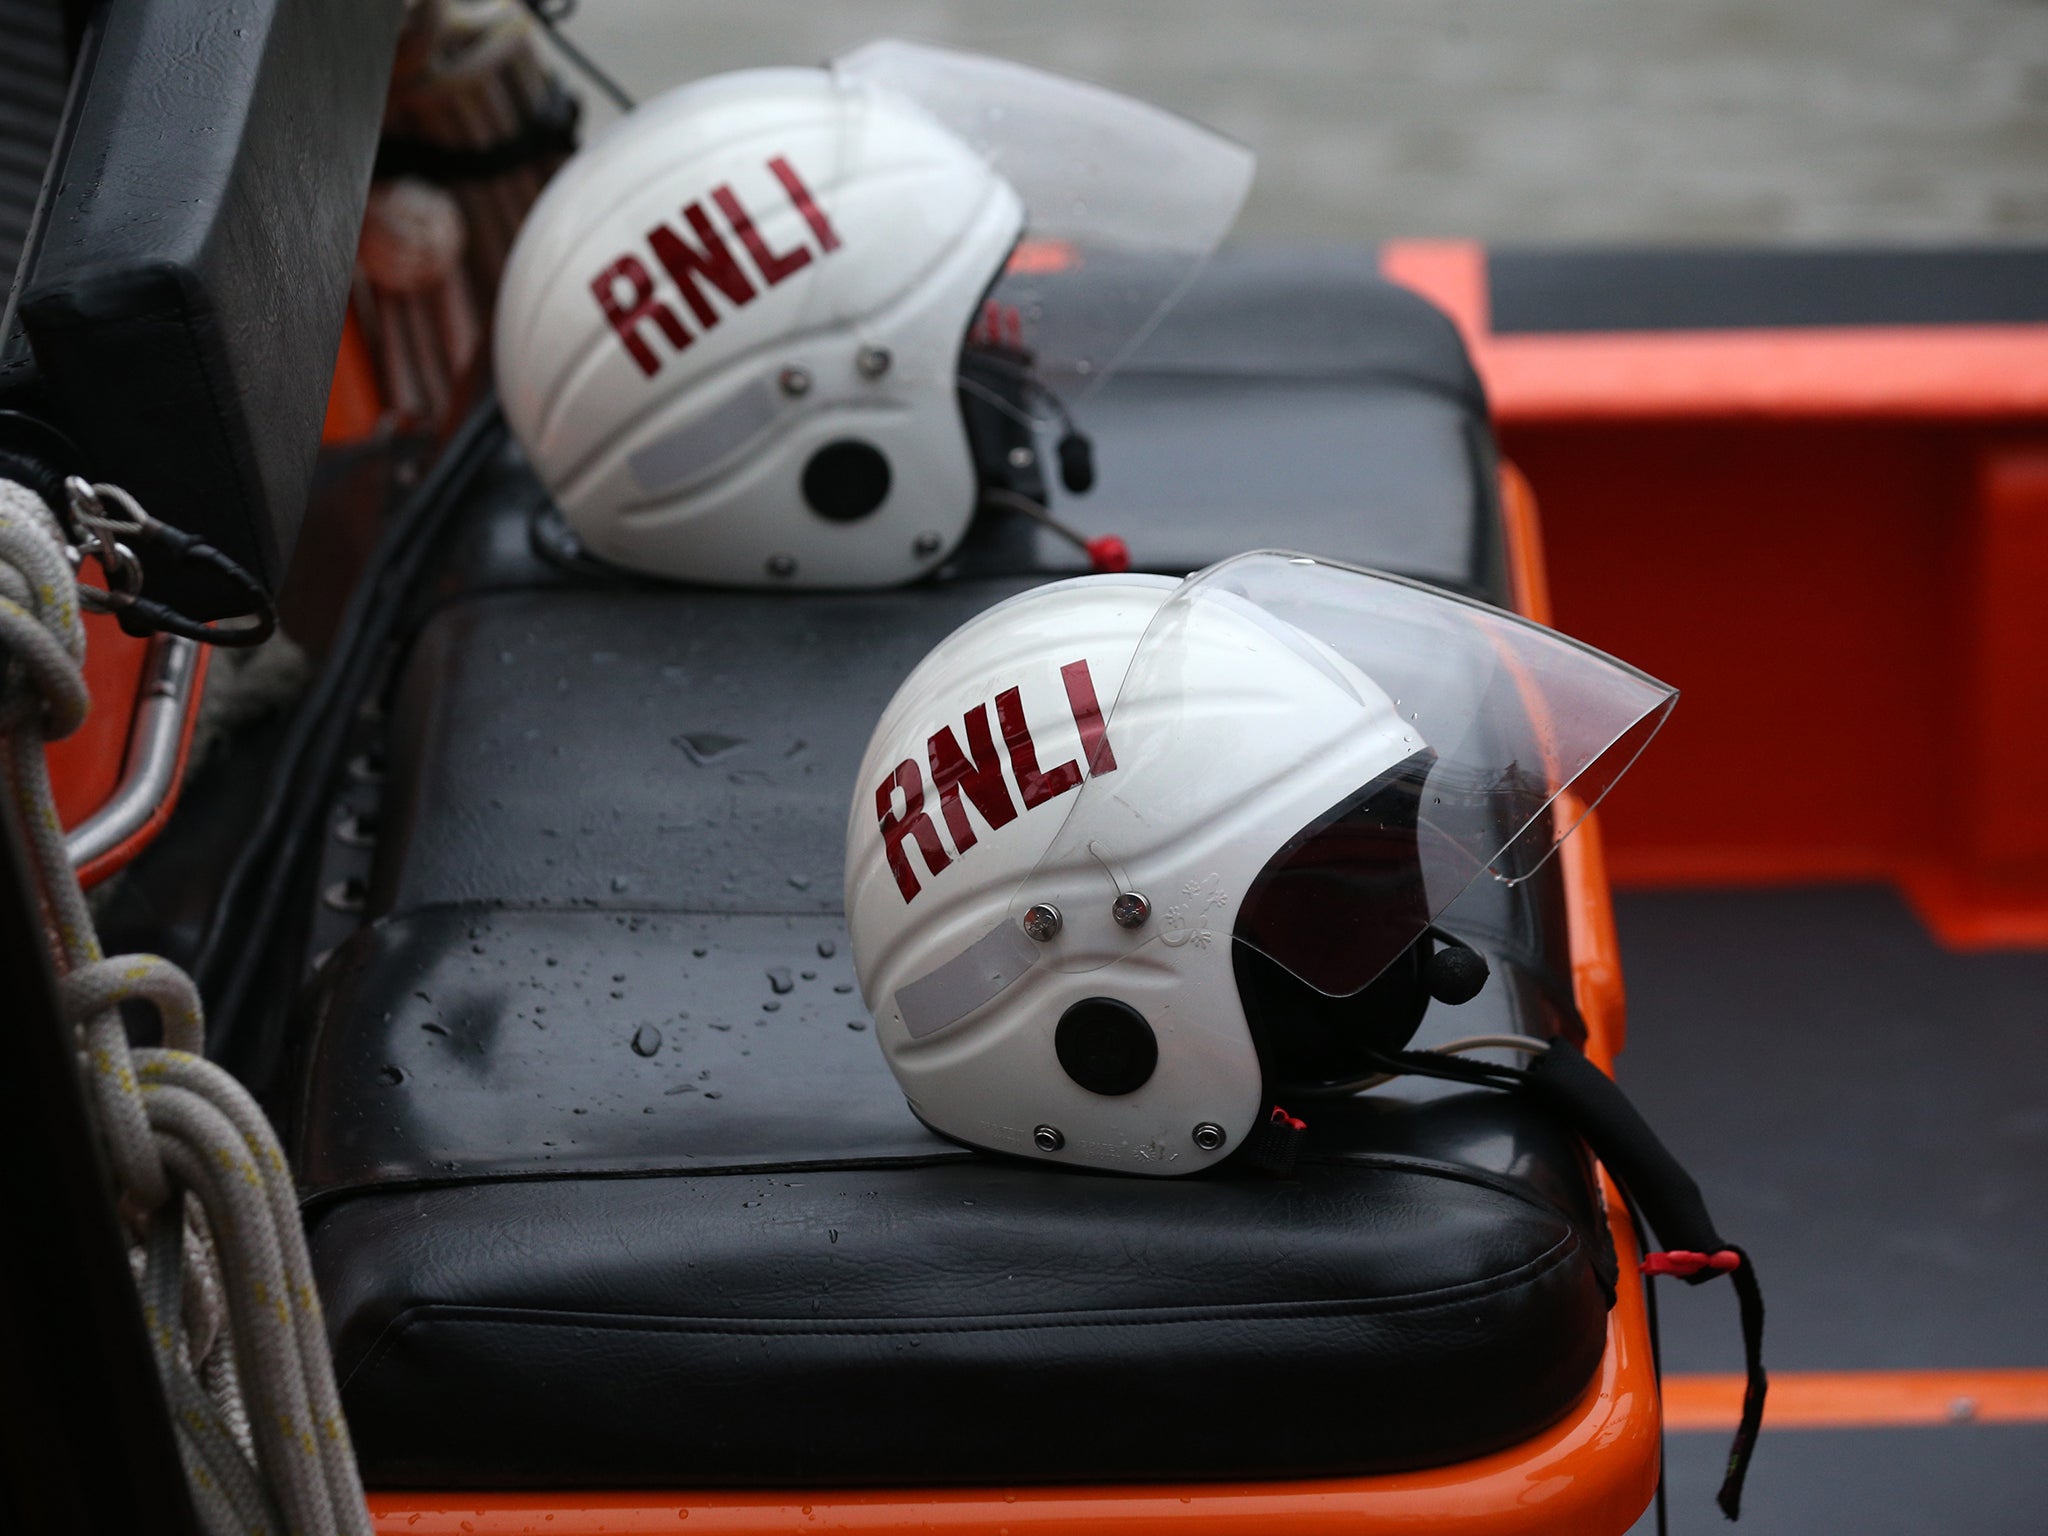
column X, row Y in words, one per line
column 1540, row 121
column 1865, row 1114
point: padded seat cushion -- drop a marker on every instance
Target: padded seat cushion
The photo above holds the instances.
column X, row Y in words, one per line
column 963, row 1321
column 609, row 1186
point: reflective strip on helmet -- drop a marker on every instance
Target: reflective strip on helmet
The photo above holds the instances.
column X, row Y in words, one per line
column 977, row 975
column 683, row 454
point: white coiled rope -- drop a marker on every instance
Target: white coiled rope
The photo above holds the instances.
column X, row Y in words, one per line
column 204, row 1186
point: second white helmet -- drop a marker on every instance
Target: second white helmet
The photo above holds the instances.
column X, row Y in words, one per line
column 1127, row 857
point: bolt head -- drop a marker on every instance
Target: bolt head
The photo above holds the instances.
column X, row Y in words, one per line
column 1047, row 1138
column 1042, row 922
column 782, row 565
column 1021, row 457
column 1209, row 1136
column 1130, row 910
column 348, row 895
column 794, row 381
column 873, row 362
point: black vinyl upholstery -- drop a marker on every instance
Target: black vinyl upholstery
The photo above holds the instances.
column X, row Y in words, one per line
column 608, row 1184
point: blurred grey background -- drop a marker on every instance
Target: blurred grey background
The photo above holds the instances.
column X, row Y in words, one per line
column 1505, row 120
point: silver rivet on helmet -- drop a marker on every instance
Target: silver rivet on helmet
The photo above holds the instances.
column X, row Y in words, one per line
column 1021, row 457
column 1130, row 910
column 872, row 362
column 782, row 565
column 925, row 545
column 1209, row 1136
column 1048, row 1138
column 794, row 381
column 1042, row 922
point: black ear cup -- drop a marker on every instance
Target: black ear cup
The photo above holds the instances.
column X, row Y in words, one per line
column 846, row 480
column 1106, row 1046
column 1309, row 1039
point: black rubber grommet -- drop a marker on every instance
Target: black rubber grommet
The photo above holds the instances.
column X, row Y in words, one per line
column 1106, row 1046
column 846, row 480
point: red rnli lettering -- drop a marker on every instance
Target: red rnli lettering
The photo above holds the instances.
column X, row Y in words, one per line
column 774, row 267
column 626, row 293
column 976, row 775
column 626, row 314
column 1088, row 718
column 799, row 194
column 1036, row 786
column 711, row 258
column 913, row 821
column 981, row 776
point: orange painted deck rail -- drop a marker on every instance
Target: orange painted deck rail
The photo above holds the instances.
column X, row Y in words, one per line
column 1834, row 541
column 1862, row 1399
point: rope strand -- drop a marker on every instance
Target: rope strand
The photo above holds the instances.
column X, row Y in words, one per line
column 179, row 1131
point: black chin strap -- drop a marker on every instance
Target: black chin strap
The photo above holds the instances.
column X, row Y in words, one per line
column 1588, row 1100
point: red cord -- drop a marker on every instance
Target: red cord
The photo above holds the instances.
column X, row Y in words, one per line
column 1281, row 1117
column 1001, row 325
column 1109, row 555
column 1685, row 1263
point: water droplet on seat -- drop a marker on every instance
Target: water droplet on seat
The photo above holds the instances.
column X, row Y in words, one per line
column 707, row 747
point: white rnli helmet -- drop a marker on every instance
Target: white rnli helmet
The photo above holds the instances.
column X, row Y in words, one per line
column 1129, row 857
column 729, row 332
column 729, row 336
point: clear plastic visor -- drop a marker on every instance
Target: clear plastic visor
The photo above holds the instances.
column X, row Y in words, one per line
column 1315, row 760
column 1124, row 201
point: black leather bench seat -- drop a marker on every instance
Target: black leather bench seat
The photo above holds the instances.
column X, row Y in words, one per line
column 608, row 1185
column 904, row 1321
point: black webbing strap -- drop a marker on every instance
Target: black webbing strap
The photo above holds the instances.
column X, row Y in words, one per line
column 165, row 545
column 1563, row 1080
column 1593, row 1104
column 1749, row 1297
column 1273, row 1143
